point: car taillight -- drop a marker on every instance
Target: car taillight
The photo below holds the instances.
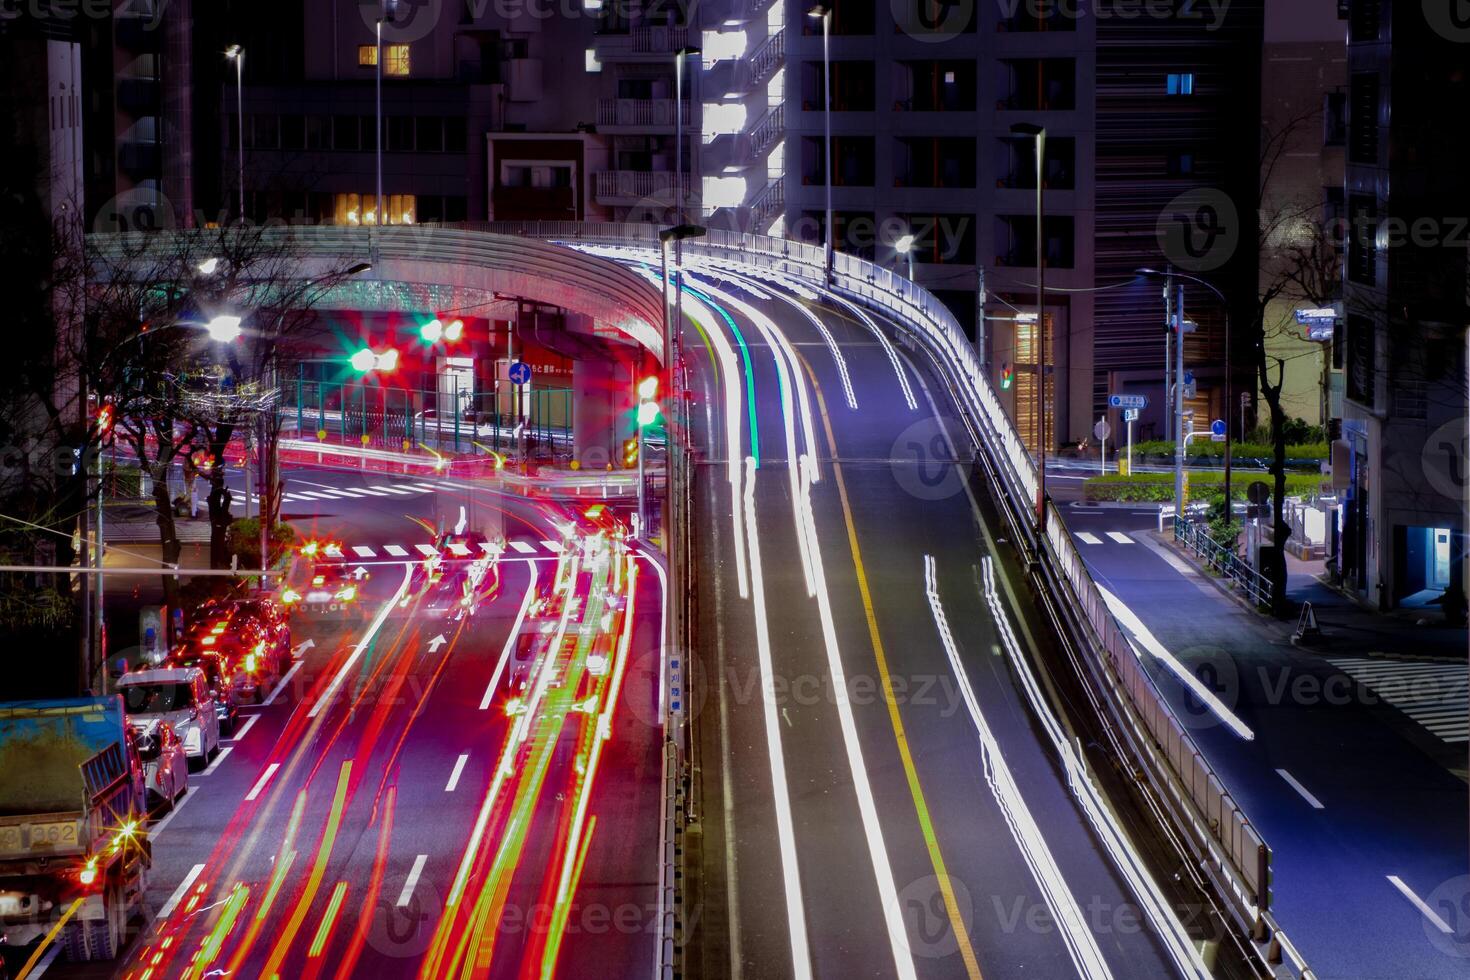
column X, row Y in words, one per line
column 318, row 580
column 88, row 874
column 249, row 663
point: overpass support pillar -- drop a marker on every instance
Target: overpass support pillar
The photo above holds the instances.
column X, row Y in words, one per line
column 601, row 391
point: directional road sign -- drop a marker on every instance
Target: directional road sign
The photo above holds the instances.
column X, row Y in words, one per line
column 1217, row 428
column 519, row 373
column 1128, row 401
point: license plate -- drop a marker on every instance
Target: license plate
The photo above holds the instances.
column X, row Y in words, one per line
column 10, row 838
column 53, row 834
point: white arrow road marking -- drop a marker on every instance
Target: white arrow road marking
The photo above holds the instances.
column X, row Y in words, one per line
column 436, row 643
column 265, row 777
column 180, row 892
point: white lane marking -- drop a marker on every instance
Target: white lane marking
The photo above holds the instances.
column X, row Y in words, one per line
column 1291, row 780
column 180, row 892
column 510, row 640
column 239, row 733
column 1120, row 537
column 314, row 495
column 427, row 550
column 1141, row 636
column 265, row 777
column 363, row 551
column 44, row 963
column 458, row 770
column 429, row 487
column 411, row 880
column 395, row 550
column 372, row 493
column 459, row 549
column 1081, row 943
column 377, row 624
column 223, row 754
column 281, row 686
column 801, row 957
column 395, row 490
column 1418, row 902
column 552, row 546
column 1087, row 537
column 332, row 551
column 157, row 828
column 524, row 547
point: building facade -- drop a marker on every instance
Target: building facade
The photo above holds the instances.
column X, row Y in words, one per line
column 1405, row 297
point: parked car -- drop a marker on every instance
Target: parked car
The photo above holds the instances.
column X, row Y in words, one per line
column 179, row 696
column 271, row 618
column 244, row 648
column 222, row 687
column 165, row 763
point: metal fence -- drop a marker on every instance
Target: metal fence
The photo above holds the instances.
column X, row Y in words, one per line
column 451, row 421
column 1196, row 537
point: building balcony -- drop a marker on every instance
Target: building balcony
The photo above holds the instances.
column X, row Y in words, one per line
column 624, row 187
column 638, row 115
column 641, row 44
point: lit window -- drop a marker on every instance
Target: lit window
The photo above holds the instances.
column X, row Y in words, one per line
column 361, row 209
column 397, row 60
column 1180, row 83
column 367, row 55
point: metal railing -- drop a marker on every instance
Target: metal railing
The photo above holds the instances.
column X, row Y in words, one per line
column 766, row 58
column 634, row 184
column 643, row 40
column 768, row 130
column 639, row 112
column 1196, row 537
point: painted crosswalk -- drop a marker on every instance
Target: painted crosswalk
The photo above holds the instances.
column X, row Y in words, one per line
column 1436, row 694
column 456, row 549
column 1087, row 537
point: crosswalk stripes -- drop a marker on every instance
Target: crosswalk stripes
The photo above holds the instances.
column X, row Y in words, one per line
column 456, row 548
column 363, row 551
column 1120, row 537
column 523, row 547
column 1435, row 694
column 393, row 490
column 1087, row 537
column 427, row 550
column 395, row 551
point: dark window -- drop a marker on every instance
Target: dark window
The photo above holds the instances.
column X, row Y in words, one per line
column 345, row 134
column 293, row 132
column 369, row 128
column 430, row 134
column 1181, row 164
column 853, row 156
column 399, row 137
column 848, row 17
column 1018, row 163
column 1334, row 119
column 1360, row 372
column 1032, row 17
column 454, row 134
column 1362, row 239
column 267, row 131
column 942, row 238
column 318, row 132
column 852, row 86
column 1039, row 84
column 1015, row 244
column 456, row 208
column 939, row 86
column 1363, row 118
column 1365, row 20
column 935, row 161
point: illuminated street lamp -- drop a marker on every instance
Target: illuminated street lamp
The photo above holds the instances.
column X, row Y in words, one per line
column 905, row 247
column 224, row 329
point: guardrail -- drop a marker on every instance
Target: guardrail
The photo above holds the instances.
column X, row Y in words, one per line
column 1196, row 538
column 1219, row 835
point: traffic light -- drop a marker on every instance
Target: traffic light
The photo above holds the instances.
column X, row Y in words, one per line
column 630, row 453
column 106, row 417
column 453, row 330
column 1007, row 377
column 436, row 330
column 648, row 409
column 367, row 359
column 648, row 389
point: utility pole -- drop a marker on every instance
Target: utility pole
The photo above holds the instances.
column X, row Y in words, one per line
column 980, row 298
column 1168, row 354
column 1178, row 324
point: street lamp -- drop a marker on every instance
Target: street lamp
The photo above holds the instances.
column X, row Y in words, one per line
column 905, row 247
column 1038, row 134
column 224, row 328
column 236, row 54
column 824, row 12
column 1179, row 381
column 681, row 185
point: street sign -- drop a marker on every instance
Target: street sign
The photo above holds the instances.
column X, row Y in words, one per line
column 1130, row 415
column 1217, row 437
column 1190, row 388
column 1102, row 430
column 1258, row 492
column 1217, row 428
column 1128, row 401
column 519, row 373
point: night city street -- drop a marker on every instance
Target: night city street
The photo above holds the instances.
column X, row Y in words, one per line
column 735, row 490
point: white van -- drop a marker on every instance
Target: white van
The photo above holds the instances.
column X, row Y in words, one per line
column 179, row 696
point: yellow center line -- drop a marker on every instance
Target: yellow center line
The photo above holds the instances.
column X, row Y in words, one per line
column 35, row 957
column 921, row 808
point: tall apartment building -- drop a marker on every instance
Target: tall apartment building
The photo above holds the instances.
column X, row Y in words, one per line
column 1143, row 115
column 1407, row 304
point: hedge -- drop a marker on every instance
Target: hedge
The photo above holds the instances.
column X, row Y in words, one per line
column 1159, row 487
column 1313, row 452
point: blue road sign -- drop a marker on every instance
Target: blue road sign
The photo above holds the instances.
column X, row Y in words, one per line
column 1217, row 427
column 1127, row 401
column 519, row 373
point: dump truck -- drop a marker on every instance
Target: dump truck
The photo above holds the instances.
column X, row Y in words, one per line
column 73, row 845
